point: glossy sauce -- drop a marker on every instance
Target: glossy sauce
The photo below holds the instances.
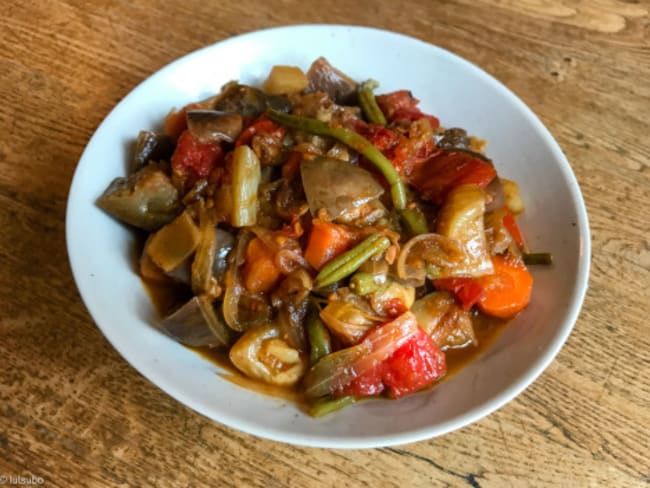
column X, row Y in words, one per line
column 166, row 298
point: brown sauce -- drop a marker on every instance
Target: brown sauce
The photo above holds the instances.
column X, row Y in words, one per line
column 165, row 298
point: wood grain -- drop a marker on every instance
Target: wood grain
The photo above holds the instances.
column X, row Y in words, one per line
column 76, row 414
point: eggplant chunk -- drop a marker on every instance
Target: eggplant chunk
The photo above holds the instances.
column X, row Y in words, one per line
column 337, row 186
column 249, row 101
column 151, row 147
column 214, row 126
column 170, row 247
column 147, row 199
column 322, row 76
column 196, row 323
column 210, row 263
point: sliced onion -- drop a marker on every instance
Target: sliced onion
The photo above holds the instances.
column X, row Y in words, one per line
column 241, row 310
column 447, row 323
column 262, row 354
column 336, row 370
column 461, row 219
column 428, row 250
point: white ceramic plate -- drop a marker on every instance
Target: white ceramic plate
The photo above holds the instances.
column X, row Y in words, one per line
column 460, row 94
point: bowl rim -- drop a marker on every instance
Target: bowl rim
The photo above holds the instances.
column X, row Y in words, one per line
column 474, row 414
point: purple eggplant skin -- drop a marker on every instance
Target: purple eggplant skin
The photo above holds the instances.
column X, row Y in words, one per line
column 249, row 101
column 197, row 323
column 324, row 77
column 146, row 199
column 214, row 125
column 150, row 146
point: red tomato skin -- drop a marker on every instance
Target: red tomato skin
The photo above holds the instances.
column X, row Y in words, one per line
column 414, row 366
column 368, row 384
column 262, row 126
column 467, row 291
column 193, row 157
column 434, row 178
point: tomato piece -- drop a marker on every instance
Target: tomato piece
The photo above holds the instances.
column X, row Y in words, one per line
column 262, row 126
column 467, row 291
column 401, row 107
column 368, row 384
column 413, row 114
column 415, row 365
column 389, row 103
column 510, row 224
column 194, row 158
column 434, row 178
column 382, row 138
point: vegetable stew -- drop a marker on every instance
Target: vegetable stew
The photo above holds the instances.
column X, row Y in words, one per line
column 323, row 240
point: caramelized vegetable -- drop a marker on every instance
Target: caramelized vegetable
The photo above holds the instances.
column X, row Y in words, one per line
column 334, row 241
column 441, row 318
column 262, row 354
column 147, row 199
column 349, row 317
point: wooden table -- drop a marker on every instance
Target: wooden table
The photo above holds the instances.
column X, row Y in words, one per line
column 73, row 412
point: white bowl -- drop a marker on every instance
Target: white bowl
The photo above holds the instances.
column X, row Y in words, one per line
column 461, row 95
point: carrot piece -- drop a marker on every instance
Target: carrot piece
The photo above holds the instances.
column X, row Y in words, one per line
column 260, row 274
column 326, row 241
column 508, row 290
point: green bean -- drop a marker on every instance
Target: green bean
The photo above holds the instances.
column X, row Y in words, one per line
column 363, row 283
column 543, row 258
column 415, row 221
column 356, row 142
column 347, row 256
column 319, row 339
column 328, row 405
column 368, row 103
column 348, row 262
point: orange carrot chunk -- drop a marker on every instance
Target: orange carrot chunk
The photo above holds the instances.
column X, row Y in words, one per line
column 260, row 274
column 507, row 291
column 326, row 241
